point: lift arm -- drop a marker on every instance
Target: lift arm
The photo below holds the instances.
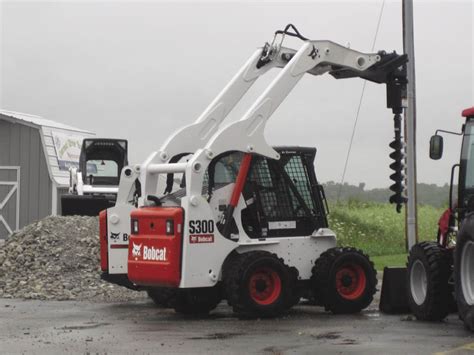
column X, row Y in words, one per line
column 314, row 57
column 246, row 135
column 194, row 136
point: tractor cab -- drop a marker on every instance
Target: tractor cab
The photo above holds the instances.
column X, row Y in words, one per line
column 465, row 200
column 466, row 165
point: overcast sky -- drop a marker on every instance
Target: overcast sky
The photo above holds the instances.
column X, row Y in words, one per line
column 140, row 70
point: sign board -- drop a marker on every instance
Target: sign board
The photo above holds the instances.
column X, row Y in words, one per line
column 68, row 149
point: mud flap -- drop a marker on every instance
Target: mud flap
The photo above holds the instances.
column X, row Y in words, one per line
column 86, row 205
column 394, row 297
column 121, row 280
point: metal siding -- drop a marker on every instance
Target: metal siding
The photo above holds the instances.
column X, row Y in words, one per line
column 21, row 145
column 9, row 156
column 5, row 143
column 5, row 148
column 50, row 194
column 33, row 177
column 44, row 201
column 24, row 148
column 15, row 161
column 35, row 184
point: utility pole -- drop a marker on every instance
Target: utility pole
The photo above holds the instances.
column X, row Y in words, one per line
column 411, row 226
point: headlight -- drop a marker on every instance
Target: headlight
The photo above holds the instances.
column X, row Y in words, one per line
column 134, row 226
column 169, row 227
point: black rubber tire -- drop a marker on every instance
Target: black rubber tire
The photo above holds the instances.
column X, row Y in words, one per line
column 162, row 296
column 466, row 234
column 237, row 275
column 196, row 301
column 324, row 282
column 438, row 300
column 295, row 291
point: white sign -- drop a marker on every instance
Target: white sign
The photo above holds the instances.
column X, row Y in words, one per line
column 68, row 149
column 282, row 225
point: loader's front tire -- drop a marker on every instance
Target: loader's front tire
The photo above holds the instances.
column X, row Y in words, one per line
column 344, row 280
column 162, row 296
column 428, row 272
column 464, row 272
column 196, row 301
column 257, row 284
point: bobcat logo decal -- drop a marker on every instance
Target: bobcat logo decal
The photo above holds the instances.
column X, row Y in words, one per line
column 114, row 236
column 136, row 251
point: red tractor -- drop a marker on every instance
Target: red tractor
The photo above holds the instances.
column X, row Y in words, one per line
column 441, row 274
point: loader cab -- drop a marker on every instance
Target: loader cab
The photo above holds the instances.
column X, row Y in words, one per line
column 282, row 197
column 102, row 160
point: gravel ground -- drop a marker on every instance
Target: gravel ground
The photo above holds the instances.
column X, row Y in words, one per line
column 57, row 258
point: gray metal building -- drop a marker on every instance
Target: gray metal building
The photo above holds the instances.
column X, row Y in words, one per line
column 35, row 155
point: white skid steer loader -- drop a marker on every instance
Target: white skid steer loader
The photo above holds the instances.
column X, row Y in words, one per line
column 93, row 186
column 248, row 223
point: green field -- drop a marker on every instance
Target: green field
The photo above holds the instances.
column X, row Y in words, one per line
column 378, row 229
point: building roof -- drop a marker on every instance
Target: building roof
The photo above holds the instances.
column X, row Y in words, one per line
column 49, row 130
column 39, row 121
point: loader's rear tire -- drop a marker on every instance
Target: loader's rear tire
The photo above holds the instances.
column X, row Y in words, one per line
column 162, row 296
column 464, row 272
column 428, row 272
column 296, row 292
column 196, row 301
column 257, row 284
column 344, row 280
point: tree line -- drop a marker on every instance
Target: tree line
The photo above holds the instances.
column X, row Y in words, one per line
column 427, row 194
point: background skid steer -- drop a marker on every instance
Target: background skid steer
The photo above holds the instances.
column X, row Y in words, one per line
column 94, row 185
column 248, row 222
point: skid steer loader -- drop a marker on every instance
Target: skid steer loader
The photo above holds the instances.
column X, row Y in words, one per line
column 94, row 185
column 248, row 223
column 440, row 274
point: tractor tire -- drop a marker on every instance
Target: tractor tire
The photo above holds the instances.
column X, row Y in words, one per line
column 343, row 280
column 162, row 296
column 258, row 284
column 464, row 272
column 196, row 301
column 428, row 272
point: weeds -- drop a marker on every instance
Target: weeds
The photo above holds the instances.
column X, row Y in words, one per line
column 376, row 228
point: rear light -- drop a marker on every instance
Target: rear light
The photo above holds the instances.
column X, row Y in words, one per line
column 104, row 258
column 134, row 226
column 169, row 227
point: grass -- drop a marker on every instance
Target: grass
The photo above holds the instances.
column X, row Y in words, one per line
column 389, row 260
column 378, row 229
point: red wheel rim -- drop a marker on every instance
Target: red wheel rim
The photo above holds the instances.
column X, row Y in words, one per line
column 265, row 286
column 350, row 281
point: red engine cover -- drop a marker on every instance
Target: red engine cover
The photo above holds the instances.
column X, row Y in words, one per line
column 104, row 262
column 154, row 257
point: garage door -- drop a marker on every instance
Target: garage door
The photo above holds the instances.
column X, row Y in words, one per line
column 9, row 200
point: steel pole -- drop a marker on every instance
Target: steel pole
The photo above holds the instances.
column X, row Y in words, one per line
column 411, row 226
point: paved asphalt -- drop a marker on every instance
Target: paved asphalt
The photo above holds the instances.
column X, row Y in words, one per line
column 49, row 327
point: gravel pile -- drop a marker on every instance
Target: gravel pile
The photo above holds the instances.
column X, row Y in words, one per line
column 57, row 258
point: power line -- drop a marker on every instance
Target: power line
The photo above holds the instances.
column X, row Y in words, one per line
column 359, row 106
